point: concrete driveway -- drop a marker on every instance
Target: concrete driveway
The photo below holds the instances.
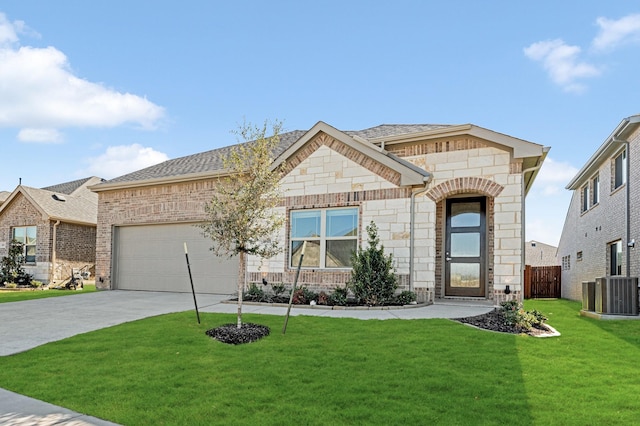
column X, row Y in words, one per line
column 25, row 325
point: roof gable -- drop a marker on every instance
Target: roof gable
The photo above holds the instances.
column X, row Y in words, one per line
column 78, row 206
column 375, row 159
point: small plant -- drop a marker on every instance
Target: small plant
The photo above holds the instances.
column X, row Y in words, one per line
column 323, row 298
column 373, row 280
column 254, row 294
column 278, row 289
column 11, row 285
column 516, row 315
column 405, row 298
column 339, row 296
column 11, row 270
column 36, row 284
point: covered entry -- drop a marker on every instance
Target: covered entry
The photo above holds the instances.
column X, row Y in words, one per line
column 151, row 257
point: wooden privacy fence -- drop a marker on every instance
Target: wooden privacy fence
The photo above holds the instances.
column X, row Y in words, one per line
column 542, row 282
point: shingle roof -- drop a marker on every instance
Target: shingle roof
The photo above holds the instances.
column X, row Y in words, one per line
column 208, row 161
column 386, row 130
column 3, row 196
column 67, row 187
column 69, row 201
column 211, row 161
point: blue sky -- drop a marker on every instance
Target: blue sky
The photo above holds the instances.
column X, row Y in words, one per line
column 107, row 87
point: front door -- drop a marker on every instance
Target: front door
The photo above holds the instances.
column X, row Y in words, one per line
column 465, row 247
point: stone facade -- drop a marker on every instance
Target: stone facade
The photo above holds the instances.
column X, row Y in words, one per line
column 588, row 234
column 329, row 172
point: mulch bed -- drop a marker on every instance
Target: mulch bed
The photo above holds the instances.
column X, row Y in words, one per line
column 495, row 321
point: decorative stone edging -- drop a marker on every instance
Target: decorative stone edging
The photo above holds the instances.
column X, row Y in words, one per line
column 332, row 308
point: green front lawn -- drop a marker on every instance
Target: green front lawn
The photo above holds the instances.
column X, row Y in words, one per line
column 166, row 371
column 16, row 296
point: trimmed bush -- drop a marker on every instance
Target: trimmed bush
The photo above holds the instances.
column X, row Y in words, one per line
column 373, row 280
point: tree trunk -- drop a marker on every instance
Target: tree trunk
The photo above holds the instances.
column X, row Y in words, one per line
column 241, row 275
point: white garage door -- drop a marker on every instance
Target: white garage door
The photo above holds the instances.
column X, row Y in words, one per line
column 151, row 257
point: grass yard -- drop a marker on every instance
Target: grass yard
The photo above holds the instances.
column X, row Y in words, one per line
column 166, row 371
column 16, row 296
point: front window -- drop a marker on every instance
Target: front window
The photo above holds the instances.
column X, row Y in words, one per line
column 26, row 235
column 595, row 183
column 585, row 198
column 620, row 172
column 331, row 236
column 615, row 258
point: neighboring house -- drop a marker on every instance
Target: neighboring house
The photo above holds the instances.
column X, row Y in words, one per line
column 3, row 196
column 598, row 238
column 540, row 254
column 56, row 225
column 448, row 202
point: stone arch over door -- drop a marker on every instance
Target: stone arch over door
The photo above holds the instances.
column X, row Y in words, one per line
column 463, row 187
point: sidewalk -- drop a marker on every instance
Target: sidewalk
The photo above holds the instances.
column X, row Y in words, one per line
column 63, row 317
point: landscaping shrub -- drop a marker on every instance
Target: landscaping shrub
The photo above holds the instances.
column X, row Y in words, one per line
column 254, row 294
column 323, row 298
column 405, row 298
column 516, row 315
column 11, row 270
column 373, row 280
column 339, row 296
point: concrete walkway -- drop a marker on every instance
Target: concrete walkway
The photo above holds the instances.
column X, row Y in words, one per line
column 26, row 325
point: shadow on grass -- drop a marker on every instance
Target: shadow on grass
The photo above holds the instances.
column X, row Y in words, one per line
column 586, row 376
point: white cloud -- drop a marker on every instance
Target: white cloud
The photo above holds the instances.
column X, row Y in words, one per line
column 40, row 91
column 122, row 159
column 617, row 32
column 40, row 135
column 562, row 63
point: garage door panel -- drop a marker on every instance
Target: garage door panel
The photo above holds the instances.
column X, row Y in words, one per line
column 151, row 257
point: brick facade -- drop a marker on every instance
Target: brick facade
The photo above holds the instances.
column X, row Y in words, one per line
column 589, row 233
column 75, row 244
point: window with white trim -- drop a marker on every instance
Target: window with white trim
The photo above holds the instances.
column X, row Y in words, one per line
column 620, row 170
column 595, row 190
column 585, row 198
column 331, row 236
column 26, row 235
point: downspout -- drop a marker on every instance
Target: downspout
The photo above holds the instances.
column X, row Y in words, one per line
column 54, row 239
column 426, row 180
column 627, row 207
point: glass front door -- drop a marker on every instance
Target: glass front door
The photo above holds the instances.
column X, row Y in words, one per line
column 465, row 247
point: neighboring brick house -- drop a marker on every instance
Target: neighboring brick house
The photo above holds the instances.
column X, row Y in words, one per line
column 448, row 202
column 57, row 226
column 598, row 238
column 540, row 254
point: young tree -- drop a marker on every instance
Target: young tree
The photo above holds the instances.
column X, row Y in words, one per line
column 241, row 216
column 373, row 280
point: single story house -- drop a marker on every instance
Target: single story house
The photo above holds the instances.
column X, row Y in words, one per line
column 448, row 201
column 599, row 234
column 56, row 225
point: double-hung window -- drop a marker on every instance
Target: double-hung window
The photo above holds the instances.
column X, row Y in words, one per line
column 331, row 236
column 26, row 235
column 620, row 170
column 595, row 190
column 585, row 198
